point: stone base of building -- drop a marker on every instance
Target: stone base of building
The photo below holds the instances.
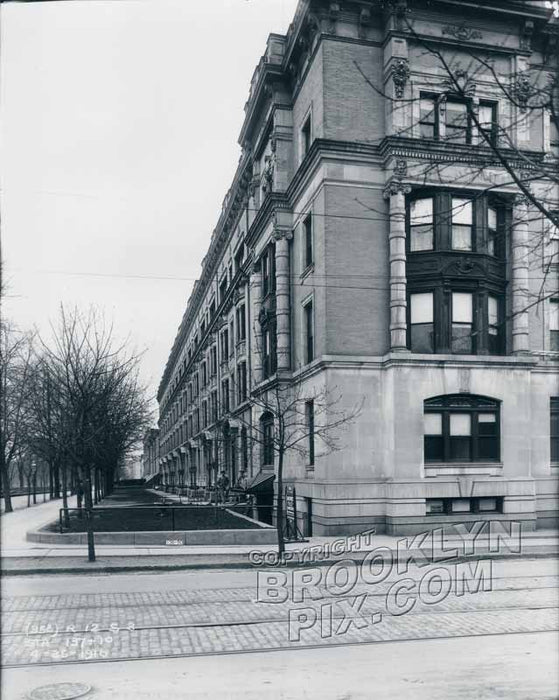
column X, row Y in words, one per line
column 402, row 507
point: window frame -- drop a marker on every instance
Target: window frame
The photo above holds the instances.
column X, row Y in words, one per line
column 310, row 420
column 309, row 331
column 467, row 129
column 554, row 436
column 462, row 404
column 436, row 117
column 308, row 241
column 306, row 135
column 492, row 132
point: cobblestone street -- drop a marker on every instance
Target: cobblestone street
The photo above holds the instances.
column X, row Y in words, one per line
column 160, row 616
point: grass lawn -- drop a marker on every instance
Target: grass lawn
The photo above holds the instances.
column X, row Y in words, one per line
column 143, row 519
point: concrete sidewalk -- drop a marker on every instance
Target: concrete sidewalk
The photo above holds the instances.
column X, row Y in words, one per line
column 22, row 557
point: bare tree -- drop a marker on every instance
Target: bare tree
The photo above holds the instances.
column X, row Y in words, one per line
column 15, row 364
column 92, row 408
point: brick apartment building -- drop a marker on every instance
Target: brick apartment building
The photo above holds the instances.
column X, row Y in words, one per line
column 372, row 242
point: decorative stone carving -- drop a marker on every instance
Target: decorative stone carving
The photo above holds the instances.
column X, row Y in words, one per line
column 364, row 21
column 400, row 75
column 268, row 176
column 280, row 233
column 461, row 32
column 526, row 35
column 400, row 169
column 396, row 187
column 460, row 82
column 522, row 90
column 333, row 15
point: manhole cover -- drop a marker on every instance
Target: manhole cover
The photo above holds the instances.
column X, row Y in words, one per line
column 59, row 691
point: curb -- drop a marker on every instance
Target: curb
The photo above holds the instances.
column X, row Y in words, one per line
column 244, row 564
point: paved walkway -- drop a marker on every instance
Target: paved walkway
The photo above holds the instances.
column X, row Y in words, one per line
column 28, row 557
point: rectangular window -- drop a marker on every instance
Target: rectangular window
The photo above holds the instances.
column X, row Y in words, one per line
column 457, row 122
column 309, row 332
column 462, row 224
column 460, row 432
column 554, row 324
column 224, row 345
column 309, row 410
column 213, row 360
column 461, row 505
column 554, row 428
column 308, row 242
column 552, row 246
column 241, row 323
column 268, row 271
column 428, row 117
column 241, row 382
column 306, row 136
column 462, row 323
column 267, row 442
column 493, row 326
column 421, row 224
column 487, row 436
column 434, row 445
column 421, row 322
column 239, row 257
column 223, row 288
column 232, row 336
column 487, row 118
column 268, row 350
column 213, row 400
column 492, row 230
column 204, row 374
column 225, row 395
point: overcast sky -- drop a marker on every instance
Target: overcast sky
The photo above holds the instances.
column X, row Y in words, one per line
column 119, row 126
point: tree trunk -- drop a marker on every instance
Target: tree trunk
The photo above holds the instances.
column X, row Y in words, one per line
column 51, row 481
column 28, row 490
column 56, row 475
column 35, row 487
column 279, row 509
column 6, row 487
column 89, row 520
column 65, row 498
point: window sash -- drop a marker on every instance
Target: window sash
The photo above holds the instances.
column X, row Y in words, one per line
column 309, row 331
column 308, row 229
column 467, row 436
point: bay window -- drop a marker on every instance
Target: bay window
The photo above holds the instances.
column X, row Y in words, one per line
column 421, row 224
column 421, row 322
column 493, row 325
column 462, row 238
column 461, row 340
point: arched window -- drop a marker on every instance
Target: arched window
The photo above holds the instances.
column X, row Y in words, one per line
column 267, row 436
column 461, row 428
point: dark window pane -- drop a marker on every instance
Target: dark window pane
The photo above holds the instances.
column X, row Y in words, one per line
column 434, row 448
column 488, row 448
column 422, row 337
column 461, row 341
column 460, row 449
